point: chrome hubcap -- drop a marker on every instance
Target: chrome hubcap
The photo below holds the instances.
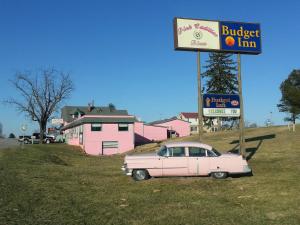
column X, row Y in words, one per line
column 140, row 174
column 219, row 174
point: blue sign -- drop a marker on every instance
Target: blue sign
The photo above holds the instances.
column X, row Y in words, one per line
column 217, row 105
column 240, row 37
column 221, row 101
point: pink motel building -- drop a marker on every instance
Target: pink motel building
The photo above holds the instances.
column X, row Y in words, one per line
column 146, row 133
column 108, row 131
column 176, row 127
column 98, row 130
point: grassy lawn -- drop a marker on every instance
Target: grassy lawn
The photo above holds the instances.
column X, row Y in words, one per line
column 57, row 184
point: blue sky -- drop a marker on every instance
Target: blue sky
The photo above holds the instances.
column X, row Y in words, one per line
column 122, row 52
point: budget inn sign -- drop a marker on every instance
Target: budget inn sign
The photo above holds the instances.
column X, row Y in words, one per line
column 217, row 36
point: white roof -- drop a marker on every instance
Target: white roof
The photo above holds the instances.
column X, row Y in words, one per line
column 188, row 144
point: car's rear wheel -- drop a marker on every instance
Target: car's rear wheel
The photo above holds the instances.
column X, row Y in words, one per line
column 26, row 141
column 219, row 175
column 140, row 174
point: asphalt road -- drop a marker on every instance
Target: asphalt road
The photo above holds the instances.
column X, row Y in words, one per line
column 8, row 142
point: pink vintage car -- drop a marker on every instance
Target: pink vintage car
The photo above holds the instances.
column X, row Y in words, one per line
column 184, row 159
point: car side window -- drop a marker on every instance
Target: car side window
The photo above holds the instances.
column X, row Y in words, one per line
column 163, row 151
column 197, row 152
column 177, row 151
column 210, row 154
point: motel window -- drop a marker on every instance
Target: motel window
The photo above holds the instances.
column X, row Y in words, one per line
column 110, row 144
column 75, row 132
column 193, row 128
column 123, row 127
column 96, row 127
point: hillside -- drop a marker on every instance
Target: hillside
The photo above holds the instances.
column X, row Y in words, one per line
column 58, row 184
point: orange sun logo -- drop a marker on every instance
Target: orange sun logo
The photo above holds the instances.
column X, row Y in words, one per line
column 229, row 41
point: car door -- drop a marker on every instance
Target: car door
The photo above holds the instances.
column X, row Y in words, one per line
column 175, row 163
column 198, row 162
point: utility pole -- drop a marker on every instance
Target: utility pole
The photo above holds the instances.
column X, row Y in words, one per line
column 241, row 123
column 200, row 103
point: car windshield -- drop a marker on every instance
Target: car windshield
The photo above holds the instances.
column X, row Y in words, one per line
column 216, row 152
column 163, row 151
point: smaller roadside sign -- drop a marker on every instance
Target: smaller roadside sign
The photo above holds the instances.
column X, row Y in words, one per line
column 219, row 105
column 57, row 121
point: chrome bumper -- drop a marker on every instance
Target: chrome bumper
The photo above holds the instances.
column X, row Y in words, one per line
column 247, row 169
column 127, row 171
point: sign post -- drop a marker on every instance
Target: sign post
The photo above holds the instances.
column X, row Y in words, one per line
column 23, row 129
column 200, row 103
column 241, row 122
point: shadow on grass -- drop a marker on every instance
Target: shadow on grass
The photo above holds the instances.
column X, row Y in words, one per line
column 251, row 151
column 250, row 174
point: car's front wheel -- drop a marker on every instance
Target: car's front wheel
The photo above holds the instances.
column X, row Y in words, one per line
column 219, row 175
column 47, row 141
column 140, row 174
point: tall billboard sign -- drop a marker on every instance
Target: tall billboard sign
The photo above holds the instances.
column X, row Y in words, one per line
column 217, row 36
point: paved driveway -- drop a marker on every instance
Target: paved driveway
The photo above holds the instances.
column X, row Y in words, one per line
column 8, row 142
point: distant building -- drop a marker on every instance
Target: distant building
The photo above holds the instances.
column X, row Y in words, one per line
column 176, row 127
column 146, row 133
column 192, row 118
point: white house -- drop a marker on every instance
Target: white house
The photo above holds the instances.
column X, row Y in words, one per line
column 192, row 118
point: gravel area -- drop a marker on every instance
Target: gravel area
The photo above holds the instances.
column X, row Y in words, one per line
column 8, row 142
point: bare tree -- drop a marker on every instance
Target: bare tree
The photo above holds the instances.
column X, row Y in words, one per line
column 41, row 94
column 1, row 130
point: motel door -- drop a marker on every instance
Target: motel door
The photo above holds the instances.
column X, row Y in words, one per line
column 110, row 147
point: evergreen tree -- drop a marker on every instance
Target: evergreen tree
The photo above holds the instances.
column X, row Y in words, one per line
column 290, row 100
column 11, row 135
column 111, row 107
column 220, row 74
column 221, row 78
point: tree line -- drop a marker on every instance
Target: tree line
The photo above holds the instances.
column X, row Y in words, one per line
column 290, row 100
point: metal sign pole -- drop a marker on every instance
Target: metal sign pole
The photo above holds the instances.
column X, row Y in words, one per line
column 200, row 104
column 241, row 123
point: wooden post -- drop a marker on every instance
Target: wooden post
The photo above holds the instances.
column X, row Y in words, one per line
column 241, row 123
column 200, row 104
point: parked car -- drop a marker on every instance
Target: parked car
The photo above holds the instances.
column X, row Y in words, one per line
column 35, row 138
column 184, row 159
column 25, row 138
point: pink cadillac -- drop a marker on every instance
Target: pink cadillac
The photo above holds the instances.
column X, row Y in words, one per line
column 184, row 159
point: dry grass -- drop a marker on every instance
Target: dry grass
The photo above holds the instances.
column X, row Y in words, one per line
column 57, row 184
